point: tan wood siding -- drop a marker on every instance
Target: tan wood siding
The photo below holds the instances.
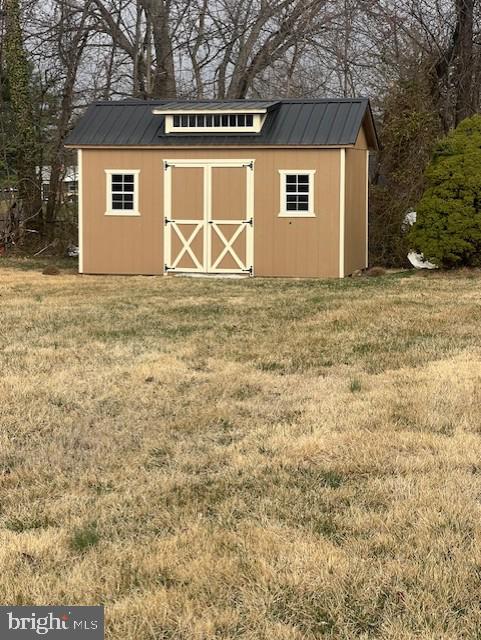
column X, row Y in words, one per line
column 282, row 246
column 187, row 203
column 355, row 216
column 122, row 244
column 228, row 193
column 361, row 142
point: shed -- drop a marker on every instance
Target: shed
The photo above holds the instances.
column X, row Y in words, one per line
column 255, row 187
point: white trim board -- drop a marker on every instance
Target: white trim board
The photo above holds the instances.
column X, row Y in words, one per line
column 258, row 120
column 367, row 210
column 243, row 162
column 342, row 210
column 209, row 112
column 80, row 213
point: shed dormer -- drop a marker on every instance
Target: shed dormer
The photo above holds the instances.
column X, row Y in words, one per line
column 215, row 117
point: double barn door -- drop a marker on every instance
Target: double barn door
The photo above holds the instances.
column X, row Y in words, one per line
column 209, row 211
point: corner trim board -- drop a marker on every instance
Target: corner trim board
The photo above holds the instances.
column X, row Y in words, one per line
column 80, row 214
column 342, row 210
column 367, row 209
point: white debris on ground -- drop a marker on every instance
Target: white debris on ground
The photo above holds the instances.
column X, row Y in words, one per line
column 73, row 252
column 410, row 219
column 416, row 259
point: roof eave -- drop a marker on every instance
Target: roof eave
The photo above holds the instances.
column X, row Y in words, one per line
column 210, row 146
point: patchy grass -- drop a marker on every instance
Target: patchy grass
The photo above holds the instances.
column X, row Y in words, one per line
column 355, row 385
column 84, row 537
column 256, row 459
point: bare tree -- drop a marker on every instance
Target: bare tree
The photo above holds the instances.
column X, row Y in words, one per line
column 159, row 17
column 70, row 35
column 143, row 29
column 257, row 35
column 464, row 68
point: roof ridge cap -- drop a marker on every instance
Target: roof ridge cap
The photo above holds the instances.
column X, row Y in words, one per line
column 139, row 102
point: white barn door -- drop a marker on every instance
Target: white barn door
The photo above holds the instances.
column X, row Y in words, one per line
column 184, row 218
column 209, row 216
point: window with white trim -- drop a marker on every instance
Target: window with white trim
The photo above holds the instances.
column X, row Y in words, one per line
column 122, row 192
column 297, row 193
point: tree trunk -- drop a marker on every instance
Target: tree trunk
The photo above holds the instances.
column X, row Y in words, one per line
column 163, row 82
column 464, row 68
column 71, row 49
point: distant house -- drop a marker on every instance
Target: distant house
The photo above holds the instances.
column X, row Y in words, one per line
column 69, row 190
column 267, row 188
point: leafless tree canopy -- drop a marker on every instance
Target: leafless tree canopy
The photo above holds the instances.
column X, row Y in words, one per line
column 238, row 48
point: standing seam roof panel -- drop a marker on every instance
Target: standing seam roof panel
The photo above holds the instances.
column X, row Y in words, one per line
column 347, row 133
column 322, row 116
column 143, row 125
column 133, row 125
column 309, row 124
column 342, row 122
column 317, row 120
column 277, row 122
column 83, row 125
column 331, row 112
column 124, row 124
column 297, row 125
column 110, row 128
column 144, row 129
column 237, row 105
column 348, row 130
column 357, row 120
column 292, row 122
column 335, row 131
column 94, row 132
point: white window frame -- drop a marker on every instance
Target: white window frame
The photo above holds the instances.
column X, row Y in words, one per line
column 122, row 212
column 283, row 212
column 257, row 124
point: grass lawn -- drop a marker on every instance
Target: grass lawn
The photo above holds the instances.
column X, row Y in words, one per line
column 256, row 459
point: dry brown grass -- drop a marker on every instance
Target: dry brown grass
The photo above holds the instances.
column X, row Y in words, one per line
column 257, row 459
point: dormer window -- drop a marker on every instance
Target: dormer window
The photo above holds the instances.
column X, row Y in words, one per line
column 238, row 117
column 213, row 121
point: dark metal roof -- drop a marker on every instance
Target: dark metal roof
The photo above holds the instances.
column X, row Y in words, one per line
column 318, row 123
column 213, row 105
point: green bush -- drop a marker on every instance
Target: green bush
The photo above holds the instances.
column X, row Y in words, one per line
column 448, row 226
